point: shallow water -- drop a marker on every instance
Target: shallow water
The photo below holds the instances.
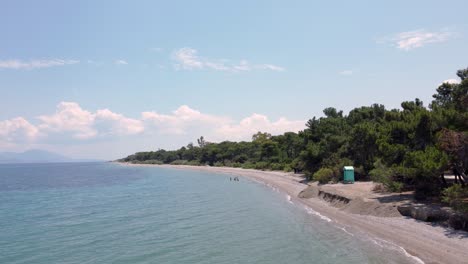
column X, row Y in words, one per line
column 108, row 213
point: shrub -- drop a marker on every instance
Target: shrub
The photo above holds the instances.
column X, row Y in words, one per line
column 218, row 164
column 236, row 165
column 277, row 166
column 385, row 175
column 179, row 162
column 324, row 175
column 261, row 165
column 152, row 162
column 228, row 163
column 457, row 197
column 194, row 163
column 395, row 186
column 155, row 162
column 287, row 168
column 248, row 165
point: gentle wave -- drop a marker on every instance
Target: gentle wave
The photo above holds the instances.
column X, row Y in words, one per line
column 321, row 216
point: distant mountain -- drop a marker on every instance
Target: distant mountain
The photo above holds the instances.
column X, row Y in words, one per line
column 35, row 156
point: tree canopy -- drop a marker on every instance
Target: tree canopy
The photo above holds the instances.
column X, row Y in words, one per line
column 405, row 148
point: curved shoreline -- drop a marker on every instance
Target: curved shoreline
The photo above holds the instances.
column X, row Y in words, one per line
column 420, row 241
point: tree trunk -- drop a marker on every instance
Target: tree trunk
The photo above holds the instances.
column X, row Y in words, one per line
column 459, row 178
column 444, row 182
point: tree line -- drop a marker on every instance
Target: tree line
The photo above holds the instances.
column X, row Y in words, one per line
column 407, row 148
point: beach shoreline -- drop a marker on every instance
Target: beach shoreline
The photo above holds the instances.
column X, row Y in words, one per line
column 420, row 241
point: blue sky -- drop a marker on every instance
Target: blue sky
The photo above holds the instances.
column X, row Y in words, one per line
column 102, row 79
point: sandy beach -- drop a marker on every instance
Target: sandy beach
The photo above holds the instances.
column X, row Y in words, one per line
column 421, row 241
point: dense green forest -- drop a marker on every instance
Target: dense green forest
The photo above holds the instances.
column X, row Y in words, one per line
column 408, row 148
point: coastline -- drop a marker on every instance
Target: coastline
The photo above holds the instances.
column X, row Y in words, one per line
column 419, row 240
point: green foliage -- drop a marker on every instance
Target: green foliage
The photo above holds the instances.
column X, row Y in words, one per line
column 248, row 165
column 179, row 162
column 193, row 163
column 287, row 168
column 151, row 162
column 386, row 176
column 406, row 148
column 457, row 197
column 428, row 163
column 324, row 175
column 261, row 165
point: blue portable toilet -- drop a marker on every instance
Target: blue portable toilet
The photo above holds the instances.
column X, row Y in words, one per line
column 348, row 174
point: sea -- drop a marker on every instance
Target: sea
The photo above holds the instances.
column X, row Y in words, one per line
column 110, row 213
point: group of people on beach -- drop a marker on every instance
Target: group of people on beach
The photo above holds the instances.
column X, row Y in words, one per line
column 234, row 179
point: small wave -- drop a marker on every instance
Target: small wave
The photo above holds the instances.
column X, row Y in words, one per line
column 312, row 212
column 387, row 244
column 346, row 231
column 289, row 198
column 272, row 187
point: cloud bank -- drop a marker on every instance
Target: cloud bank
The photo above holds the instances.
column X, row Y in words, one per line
column 76, row 125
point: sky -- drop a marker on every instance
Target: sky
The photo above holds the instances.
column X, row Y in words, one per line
column 105, row 79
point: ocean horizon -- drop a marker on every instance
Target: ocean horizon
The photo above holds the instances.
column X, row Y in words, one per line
column 109, row 213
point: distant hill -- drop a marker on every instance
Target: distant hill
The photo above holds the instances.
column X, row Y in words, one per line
column 35, row 156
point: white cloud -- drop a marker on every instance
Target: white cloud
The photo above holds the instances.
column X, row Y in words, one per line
column 82, row 124
column 181, row 121
column 34, row 64
column 118, row 124
column 72, row 123
column 120, row 62
column 255, row 123
column 188, row 59
column 346, row 72
column 186, row 120
column 242, row 66
column 270, row 67
column 17, row 130
column 69, row 117
column 417, row 38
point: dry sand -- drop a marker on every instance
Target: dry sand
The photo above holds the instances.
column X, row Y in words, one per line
column 419, row 240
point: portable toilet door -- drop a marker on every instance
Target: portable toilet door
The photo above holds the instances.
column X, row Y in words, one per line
column 348, row 176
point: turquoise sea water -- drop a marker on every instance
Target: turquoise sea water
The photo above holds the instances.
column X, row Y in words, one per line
column 108, row 213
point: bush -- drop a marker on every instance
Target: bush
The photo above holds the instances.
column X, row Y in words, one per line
column 179, row 162
column 395, row 186
column 248, row 165
column 287, row 168
column 218, row 164
column 152, row 162
column 193, row 163
column 276, row 166
column 155, row 162
column 228, row 163
column 261, row 165
column 457, row 197
column 324, row 175
column 237, row 165
column 385, row 175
